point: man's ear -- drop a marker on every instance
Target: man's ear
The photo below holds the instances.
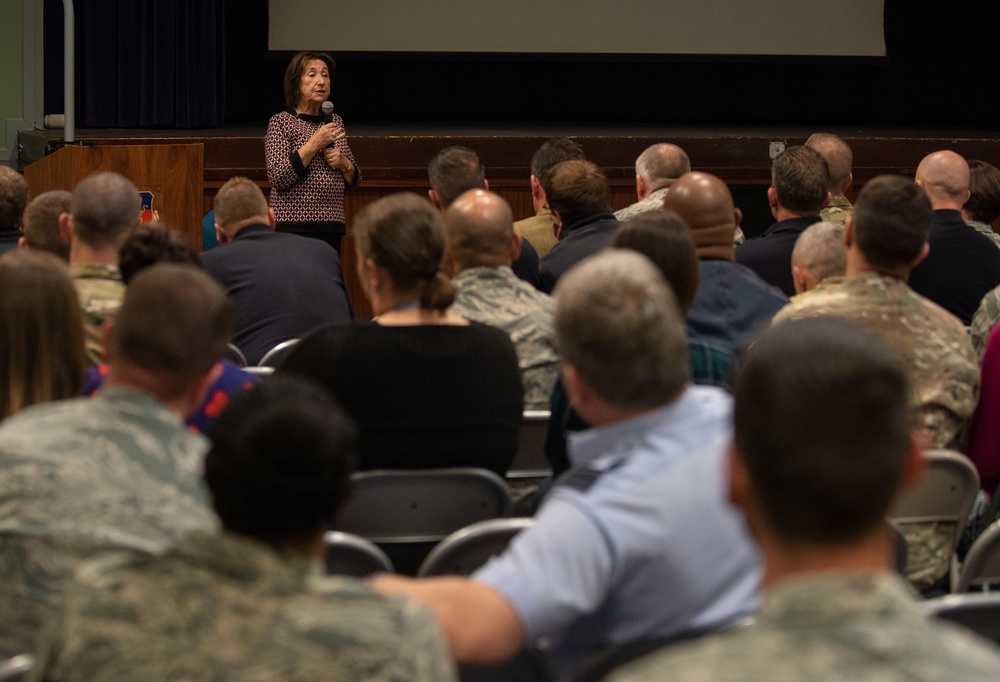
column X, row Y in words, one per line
column 434, row 199
column 826, row 202
column 557, row 224
column 66, row 227
column 772, row 198
column 799, row 279
column 221, row 235
column 536, row 188
column 578, row 392
column 486, row 184
column 515, row 246
column 640, row 187
column 921, row 256
column 848, row 232
column 271, row 220
column 738, row 216
column 22, row 243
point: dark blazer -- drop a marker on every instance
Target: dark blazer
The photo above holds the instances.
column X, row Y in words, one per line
column 581, row 239
column 961, row 267
column 280, row 285
column 770, row 254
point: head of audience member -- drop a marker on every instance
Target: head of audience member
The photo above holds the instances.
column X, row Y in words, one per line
column 575, row 190
column 454, row 170
column 479, row 230
column 944, row 176
column 664, row 238
column 296, row 70
column 13, row 199
column 41, row 223
column 166, row 340
column 280, row 463
column 819, row 253
column 824, row 440
column 400, row 243
column 800, row 184
column 548, row 156
column 658, row 166
column 153, row 243
column 887, row 232
column 41, row 331
column 104, row 208
column 621, row 336
column 704, row 202
column 983, row 204
column 239, row 203
column 838, row 159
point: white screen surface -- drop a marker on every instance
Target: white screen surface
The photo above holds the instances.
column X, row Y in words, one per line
column 845, row 28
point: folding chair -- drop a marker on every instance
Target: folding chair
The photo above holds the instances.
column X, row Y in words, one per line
column 234, row 355
column 982, row 564
column 465, row 550
column 977, row 612
column 530, row 460
column 277, row 353
column 348, row 554
column 408, row 511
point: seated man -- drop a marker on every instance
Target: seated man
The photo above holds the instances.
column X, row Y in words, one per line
column 246, row 604
column 538, row 229
column 117, row 471
column 482, row 245
column 41, row 223
column 824, row 443
column 819, row 258
column 637, row 540
column 655, row 170
column 839, row 159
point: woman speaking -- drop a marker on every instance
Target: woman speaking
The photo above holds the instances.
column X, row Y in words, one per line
column 308, row 159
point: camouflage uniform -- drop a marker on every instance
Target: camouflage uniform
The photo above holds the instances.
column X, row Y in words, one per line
column 80, row 476
column 837, row 210
column 943, row 369
column 101, row 291
column 986, row 231
column 538, row 230
column 654, row 202
column 224, row 607
column 496, row 297
column 825, row 284
column 831, row 628
column 984, row 320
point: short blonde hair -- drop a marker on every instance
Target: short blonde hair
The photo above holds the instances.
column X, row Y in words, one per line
column 238, row 200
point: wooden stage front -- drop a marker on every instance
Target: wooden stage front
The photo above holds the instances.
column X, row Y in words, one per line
column 394, row 158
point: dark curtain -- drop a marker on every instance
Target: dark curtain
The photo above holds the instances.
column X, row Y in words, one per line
column 150, row 63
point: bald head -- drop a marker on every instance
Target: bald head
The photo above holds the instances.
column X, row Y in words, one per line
column 479, row 228
column 944, row 176
column 660, row 164
column 706, row 205
column 838, row 157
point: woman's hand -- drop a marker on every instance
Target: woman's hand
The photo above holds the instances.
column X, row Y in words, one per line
column 323, row 137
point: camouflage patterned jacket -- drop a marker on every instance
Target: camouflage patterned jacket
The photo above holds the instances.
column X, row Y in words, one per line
column 101, row 291
column 837, row 210
column 943, row 366
column 986, row 231
column 224, row 607
column 80, row 476
column 496, row 297
column 826, row 629
column 986, row 317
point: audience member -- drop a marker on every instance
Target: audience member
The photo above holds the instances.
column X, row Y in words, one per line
column 455, row 170
column 638, row 540
column 579, row 198
column 886, row 236
column 819, row 258
column 252, row 606
column 823, row 445
column 963, row 265
column 428, row 388
column 116, row 471
column 13, row 199
column 41, row 223
column 105, row 207
column 732, row 301
column 281, row 285
column 538, row 229
column 655, row 170
column 147, row 245
column 838, row 159
column 482, row 245
column 985, row 320
column 984, row 428
column 800, row 189
column 41, row 333
column 982, row 208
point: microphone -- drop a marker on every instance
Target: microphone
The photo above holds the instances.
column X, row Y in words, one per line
column 327, row 108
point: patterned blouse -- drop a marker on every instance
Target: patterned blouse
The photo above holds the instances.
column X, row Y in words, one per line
column 304, row 194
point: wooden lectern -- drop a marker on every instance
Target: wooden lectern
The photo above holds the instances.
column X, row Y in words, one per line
column 171, row 174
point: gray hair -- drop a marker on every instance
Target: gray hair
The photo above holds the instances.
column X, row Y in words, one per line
column 618, row 324
column 662, row 162
column 105, row 206
column 820, row 250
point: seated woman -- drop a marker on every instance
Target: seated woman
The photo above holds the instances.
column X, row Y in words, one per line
column 427, row 388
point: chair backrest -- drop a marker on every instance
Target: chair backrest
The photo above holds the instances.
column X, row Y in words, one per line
column 421, row 505
column 348, row 554
column 235, row 355
column 977, row 612
column 982, row 564
column 530, row 460
column 946, row 492
column 272, row 356
column 16, row 669
column 465, row 550
column 259, row 371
